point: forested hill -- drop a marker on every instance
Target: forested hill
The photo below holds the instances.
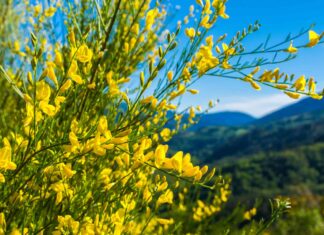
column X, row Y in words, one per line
column 268, row 156
column 217, row 142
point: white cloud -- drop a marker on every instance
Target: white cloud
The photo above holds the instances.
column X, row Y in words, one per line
column 258, row 106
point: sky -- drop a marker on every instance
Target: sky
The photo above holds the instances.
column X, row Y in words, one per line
column 278, row 18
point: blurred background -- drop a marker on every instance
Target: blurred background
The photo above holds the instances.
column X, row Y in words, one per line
column 270, row 145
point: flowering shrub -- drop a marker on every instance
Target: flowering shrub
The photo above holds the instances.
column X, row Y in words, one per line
column 87, row 96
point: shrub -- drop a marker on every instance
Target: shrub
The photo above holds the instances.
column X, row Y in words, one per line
column 88, row 95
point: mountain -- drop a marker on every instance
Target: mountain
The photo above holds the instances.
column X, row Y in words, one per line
column 223, row 119
column 212, row 144
column 295, row 171
column 239, row 119
column 232, row 134
column 306, row 105
column 281, row 153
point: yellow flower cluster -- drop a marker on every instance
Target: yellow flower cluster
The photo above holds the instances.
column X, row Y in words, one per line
column 87, row 114
column 249, row 214
column 5, row 159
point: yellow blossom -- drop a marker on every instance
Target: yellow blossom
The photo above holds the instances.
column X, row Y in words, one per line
column 166, row 134
column 300, row 83
column 291, row 49
column 49, row 12
column 292, row 95
column 165, row 198
column 72, row 73
column 314, row 38
column 255, row 85
column 190, row 32
column 65, row 86
column 5, row 156
column 193, row 91
column 170, row 75
column 84, row 54
column 150, row 18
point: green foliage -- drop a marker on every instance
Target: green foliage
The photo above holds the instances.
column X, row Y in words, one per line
column 300, row 221
column 271, row 173
column 215, row 144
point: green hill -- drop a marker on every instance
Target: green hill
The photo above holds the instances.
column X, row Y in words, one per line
column 215, row 143
column 296, row 171
column 285, row 156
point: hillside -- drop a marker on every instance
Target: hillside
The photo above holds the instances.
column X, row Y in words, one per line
column 295, row 171
column 227, row 134
column 215, row 143
column 282, row 153
column 307, row 105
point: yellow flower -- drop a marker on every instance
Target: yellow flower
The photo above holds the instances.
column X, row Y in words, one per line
column 65, row 86
column 170, row 76
column 255, row 85
column 291, row 49
column 226, row 65
column 281, row 86
column 37, row 9
column 300, row 84
column 190, row 32
column 311, row 85
column 50, row 11
column 292, row 95
column 221, row 12
column 147, row 195
column 72, row 73
column 249, row 214
column 58, row 58
column 166, row 134
column 314, row 38
column 163, row 186
column 47, row 108
column 150, row 18
column 165, row 198
column 159, row 155
column 61, row 190
column 67, row 224
column 49, row 71
column 193, row 91
column 316, row 96
column 16, row 46
column 5, row 157
column 205, row 22
column 15, row 231
column 74, row 141
column 206, row 9
column 200, row 2
column 165, row 221
column 204, row 169
column 84, row 54
column 43, row 91
column 176, row 161
column 67, row 171
column 102, row 125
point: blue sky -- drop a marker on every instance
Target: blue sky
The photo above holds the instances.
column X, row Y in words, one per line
column 278, row 18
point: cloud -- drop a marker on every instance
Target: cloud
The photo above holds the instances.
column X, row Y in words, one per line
column 258, row 106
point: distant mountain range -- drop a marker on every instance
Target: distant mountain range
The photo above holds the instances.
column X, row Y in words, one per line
column 235, row 119
column 224, row 119
column 279, row 153
column 307, row 105
column 229, row 134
